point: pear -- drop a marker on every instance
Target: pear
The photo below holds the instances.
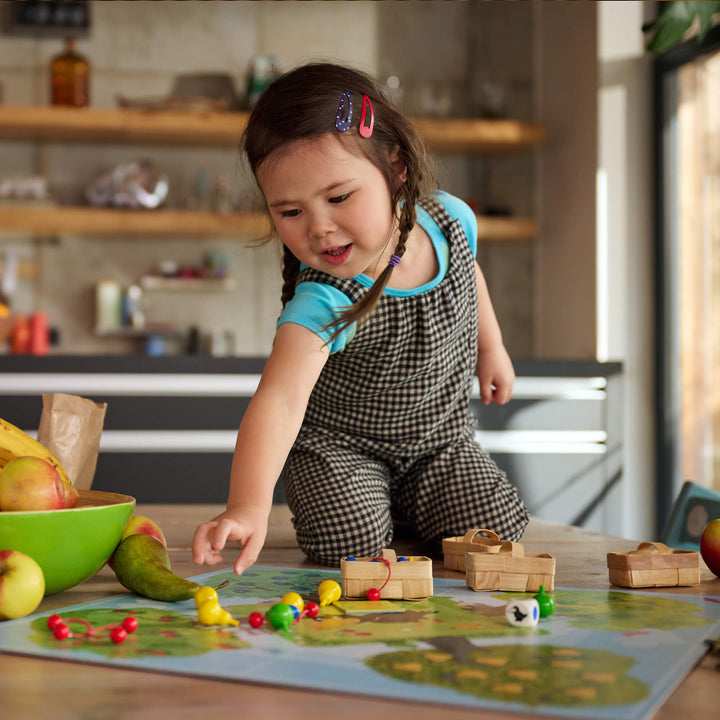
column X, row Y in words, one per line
column 142, row 565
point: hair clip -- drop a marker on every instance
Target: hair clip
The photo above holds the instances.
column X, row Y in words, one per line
column 343, row 119
column 394, row 260
column 366, row 130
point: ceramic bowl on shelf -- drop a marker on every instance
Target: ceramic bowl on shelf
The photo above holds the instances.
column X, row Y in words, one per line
column 72, row 544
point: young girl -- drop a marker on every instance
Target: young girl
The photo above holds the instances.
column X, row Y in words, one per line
column 362, row 407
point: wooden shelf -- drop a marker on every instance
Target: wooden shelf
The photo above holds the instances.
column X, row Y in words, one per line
column 25, row 269
column 155, row 282
column 126, row 126
column 213, row 129
column 223, row 129
column 485, row 137
column 126, row 223
column 505, row 229
column 129, row 332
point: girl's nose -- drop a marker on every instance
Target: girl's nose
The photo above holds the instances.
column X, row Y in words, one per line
column 320, row 226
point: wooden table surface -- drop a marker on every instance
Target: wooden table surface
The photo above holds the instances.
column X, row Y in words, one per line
column 34, row 687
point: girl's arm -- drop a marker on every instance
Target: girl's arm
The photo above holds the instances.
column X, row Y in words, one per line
column 494, row 368
column 266, row 435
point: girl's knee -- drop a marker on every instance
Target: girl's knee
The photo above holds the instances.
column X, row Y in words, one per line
column 468, row 491
column 327, row 544
column 340, row 505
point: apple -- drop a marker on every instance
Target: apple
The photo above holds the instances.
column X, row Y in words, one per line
column 140, row 525
column 22, row 584
column 710, row 545
column 31, row 483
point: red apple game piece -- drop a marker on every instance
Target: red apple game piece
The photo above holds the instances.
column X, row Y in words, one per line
column 312, row 609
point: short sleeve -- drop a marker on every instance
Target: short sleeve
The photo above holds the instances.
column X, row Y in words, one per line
column 460, row 210
column 316, row 305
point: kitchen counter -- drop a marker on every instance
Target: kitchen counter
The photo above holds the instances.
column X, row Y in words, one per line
column 171, row 424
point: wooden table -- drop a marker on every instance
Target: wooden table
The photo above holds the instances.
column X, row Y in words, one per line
column 33, row 687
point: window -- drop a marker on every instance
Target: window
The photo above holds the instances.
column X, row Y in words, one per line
column 688, row 289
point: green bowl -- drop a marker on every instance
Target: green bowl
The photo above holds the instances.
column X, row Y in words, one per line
column 69, row 545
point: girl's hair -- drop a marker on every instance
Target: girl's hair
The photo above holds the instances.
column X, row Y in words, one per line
column 303, row 104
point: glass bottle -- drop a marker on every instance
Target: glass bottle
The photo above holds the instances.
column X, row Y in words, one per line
column 70, row 77
column 262, row 72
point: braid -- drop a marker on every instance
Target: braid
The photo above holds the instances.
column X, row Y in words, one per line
column 290, row 272
column 408, row 218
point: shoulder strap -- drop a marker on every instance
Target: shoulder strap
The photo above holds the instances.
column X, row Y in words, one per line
column 437, row 212
column 353, row 289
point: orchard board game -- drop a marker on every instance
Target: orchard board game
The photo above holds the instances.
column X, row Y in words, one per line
column 602, row 654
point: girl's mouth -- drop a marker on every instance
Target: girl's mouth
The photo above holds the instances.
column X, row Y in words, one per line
column 337, row 255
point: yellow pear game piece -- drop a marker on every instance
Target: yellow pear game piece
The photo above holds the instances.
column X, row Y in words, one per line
column 329, row 591
column 204, row 594
column 211, row 613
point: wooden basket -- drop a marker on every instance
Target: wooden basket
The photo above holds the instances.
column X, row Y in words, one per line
column 409, row 579
column 507, row 566
column 654, row 564
column 454, row 548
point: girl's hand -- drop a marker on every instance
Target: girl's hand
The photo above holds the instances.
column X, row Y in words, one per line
column 246, row 524
column 494, row 368
column 496, row 375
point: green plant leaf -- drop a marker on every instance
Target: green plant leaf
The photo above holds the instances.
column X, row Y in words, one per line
column 705, row 11
column 670, row 27
column 674, row 21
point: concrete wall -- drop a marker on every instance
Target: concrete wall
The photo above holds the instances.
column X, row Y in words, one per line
column 137, row 49
column 565, row 273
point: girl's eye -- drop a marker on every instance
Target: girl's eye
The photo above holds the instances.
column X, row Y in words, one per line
column 289, row 213
column 339, row 198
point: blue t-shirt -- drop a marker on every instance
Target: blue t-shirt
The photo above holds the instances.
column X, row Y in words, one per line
column 315, row 305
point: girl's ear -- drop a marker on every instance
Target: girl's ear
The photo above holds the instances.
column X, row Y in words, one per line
column 399, row 168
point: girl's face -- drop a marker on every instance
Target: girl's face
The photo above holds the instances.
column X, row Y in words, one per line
column 332, row 208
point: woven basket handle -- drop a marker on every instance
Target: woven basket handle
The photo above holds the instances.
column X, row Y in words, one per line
column 647, row 548
column 470, row 535
column 388, row 554
column 512, row 548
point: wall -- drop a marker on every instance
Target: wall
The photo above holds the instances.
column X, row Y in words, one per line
column 625, row 244
column 137, row 52
column 567, row 104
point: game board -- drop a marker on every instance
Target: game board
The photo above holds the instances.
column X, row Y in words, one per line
column 602, row 654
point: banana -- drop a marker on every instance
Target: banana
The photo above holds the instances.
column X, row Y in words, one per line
column 16, row 443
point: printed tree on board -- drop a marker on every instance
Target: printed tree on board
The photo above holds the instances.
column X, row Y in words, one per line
column 531, row 675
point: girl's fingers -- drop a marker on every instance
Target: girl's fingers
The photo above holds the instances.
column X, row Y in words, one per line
column 249, row 554
column 201, row 543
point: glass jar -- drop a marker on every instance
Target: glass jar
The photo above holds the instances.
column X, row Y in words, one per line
column 70, row 78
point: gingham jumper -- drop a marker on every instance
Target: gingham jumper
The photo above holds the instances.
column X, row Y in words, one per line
column 388, row 432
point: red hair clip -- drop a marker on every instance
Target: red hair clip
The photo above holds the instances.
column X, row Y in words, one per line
column 366, row 128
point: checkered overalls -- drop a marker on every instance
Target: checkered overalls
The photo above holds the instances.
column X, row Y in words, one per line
column 388, row 433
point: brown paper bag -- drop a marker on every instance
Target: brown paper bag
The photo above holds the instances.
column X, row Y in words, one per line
column 70, row 427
